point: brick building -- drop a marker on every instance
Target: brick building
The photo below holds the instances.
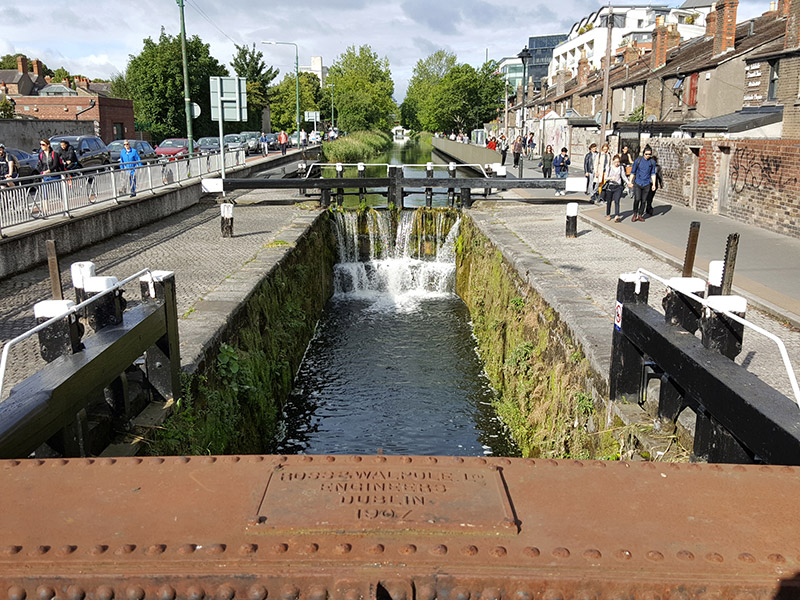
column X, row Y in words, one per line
column 36, row 97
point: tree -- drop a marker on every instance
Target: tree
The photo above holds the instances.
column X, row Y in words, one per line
column 60, row 74
column 248, row 62
column 6, row 109
column 283, row 100
column 154, row 81
column 428, row 73
column 363, row 89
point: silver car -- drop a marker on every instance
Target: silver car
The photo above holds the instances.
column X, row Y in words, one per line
column 234, row 141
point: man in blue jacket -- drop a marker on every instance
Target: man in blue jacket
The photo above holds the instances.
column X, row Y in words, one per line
column 129, row 159
column 643, row 180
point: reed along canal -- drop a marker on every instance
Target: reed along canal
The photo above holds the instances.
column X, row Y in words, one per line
column 393, row 366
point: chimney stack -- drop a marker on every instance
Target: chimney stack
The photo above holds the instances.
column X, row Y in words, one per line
column 583, row 69
column 711, row 23
column 658, row 56
column 725, row 37
column 784, row 8
column 792, row 38
column 561, row 81
column 38, row 67
column 630, row 54
column 22, row 64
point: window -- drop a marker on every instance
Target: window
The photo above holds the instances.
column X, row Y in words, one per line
column 119, row 131
column 692, row 96
column 772, row 92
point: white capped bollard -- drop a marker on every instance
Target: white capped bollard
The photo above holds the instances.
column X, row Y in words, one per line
column 715, row 269
column 226, row 223
column 451, row 192
column 572, row 219
column 719, row 331
column 108, row 309
column 339, row 191
column 80, row 271
column 62, row 337
column 362, row 173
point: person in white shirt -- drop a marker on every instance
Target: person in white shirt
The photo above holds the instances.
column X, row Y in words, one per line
column 615, row 181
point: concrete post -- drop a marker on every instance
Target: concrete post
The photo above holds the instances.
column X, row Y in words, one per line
column 451, row 192
column 429, row 190
column 339, row 191
column 362, row 173
column 226, row 219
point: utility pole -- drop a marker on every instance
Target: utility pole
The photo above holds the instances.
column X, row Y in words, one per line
column 187, row 101
column 332, row 121
column 607, row 70
column 506, row 96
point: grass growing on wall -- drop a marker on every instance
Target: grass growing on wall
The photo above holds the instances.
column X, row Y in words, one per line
column 537, row 370
column 234, row 404
column 357, row 146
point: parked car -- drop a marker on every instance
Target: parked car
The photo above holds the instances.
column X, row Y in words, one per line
column 272, row 141
column 233, row 141
column 208, row 145
column 144, row 149
column 173, row 147
column 314, row 137
column 91, row 150
column 26, row 162
column 251, row 137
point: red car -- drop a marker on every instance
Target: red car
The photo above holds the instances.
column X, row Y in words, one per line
column 174, row 147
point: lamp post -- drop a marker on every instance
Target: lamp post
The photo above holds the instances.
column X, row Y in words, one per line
column 525, row 56
column 186, row 99
column 296, row 81
column 332, row 121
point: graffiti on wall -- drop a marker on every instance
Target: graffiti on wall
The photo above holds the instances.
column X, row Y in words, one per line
column 670, row 157
column 754, row 170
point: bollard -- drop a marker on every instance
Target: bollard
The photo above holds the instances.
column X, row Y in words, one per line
column 491, row 171
column 162, row 361
column 429, row 190
column 80, row 271
column 301, row 171
column 719, row 332
column 715, row 269
column 226, row 219
column 108, row 309
column 362, row 174
column 627, row 361
column 521, row 161
column 451, row 192
column 572, row 220
column 680, row 309
column 339, row 191
column 62, row 337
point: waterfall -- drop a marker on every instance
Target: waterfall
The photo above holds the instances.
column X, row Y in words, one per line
column 395, row 272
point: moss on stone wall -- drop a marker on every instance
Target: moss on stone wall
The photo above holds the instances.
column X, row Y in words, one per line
column 538, row 371
column 234, row 404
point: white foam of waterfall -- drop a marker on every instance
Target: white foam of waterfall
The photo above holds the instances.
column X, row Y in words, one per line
column 394, row 278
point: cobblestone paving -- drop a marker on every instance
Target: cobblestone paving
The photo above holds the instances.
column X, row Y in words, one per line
column 594, row 261
column 188, row 243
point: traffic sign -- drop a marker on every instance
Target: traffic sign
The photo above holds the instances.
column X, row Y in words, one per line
column 229, row 97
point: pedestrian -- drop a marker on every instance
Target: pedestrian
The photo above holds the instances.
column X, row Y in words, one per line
column 561, row 164
column 303, row 138
column 264, row 144
column 615, row 181
column 625, row 159
column 588, row 167
column 492, row 143
column 7, row 170
column 643, row 174
column 547, row 162
column 531, row 146
column 283, row 140
column 129, row 160
column 49, row 161
column 516, row 150
column 659, row 184
column 602, row 162
column 68, row 156
column 524, row 145
column 503, row 147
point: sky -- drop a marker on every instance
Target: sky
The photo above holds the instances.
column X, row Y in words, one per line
column 96, row 38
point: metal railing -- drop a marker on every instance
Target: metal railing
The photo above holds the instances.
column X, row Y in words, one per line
column 29, row 198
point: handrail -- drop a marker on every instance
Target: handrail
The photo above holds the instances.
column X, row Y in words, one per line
column 781, row 346
column 387, row 165
column 72, row 310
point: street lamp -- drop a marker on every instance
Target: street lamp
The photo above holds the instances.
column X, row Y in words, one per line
column 332, row 122
column 525, row 56
column 296, row 80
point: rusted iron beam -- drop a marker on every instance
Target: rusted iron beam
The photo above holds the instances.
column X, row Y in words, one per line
column 399, row 528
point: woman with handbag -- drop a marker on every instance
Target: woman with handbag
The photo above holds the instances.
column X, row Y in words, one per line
column 547, row 162
column 615, row 181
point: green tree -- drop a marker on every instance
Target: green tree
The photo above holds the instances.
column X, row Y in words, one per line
column 363, row 90
column 60, row 74
column 6, row 109
column 428, row 73
column 248, row 62
column 463, row 100
column 283, row 101
column 154, row 81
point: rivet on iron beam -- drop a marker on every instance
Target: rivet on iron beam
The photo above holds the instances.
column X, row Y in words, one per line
column 469, row 550
column 44, row 592
column 623, row 554
column 439, row 550
column 561, row 552
column 655, row 556
column 166, row 592
column 75, row 592
column 225, row 592
column 134, row 592
column 257, row 592
column 408, row 549
column 685, row 555
column 104, row 592
column 531, row 552
column 498, row 552
column 318, row 593
column 195, row 592
column 592, row 554
column 460, row 594
column 16, row 592
column 289, row 592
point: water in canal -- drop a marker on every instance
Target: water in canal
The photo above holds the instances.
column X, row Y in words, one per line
column 393, row 366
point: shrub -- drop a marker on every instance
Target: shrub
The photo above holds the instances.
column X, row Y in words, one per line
column 356, row 146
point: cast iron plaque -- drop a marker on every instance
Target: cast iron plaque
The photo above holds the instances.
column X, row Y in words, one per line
column 354, row 498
